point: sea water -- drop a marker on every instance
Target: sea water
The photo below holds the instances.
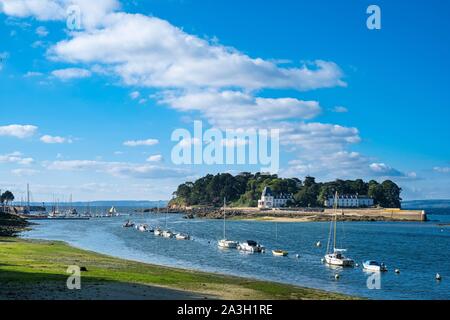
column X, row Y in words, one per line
column 418, row 249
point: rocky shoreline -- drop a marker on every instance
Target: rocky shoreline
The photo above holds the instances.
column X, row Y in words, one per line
column 306, row 215
column 11, row 224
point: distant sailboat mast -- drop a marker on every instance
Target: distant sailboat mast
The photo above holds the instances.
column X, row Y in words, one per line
column 224, row 218
column 333, row 226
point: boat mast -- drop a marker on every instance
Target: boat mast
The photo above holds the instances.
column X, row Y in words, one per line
column 28, row 197
column 224, row 204
column 335, row 219
column 165, row 218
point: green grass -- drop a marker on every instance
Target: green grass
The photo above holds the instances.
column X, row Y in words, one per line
column 27, row 265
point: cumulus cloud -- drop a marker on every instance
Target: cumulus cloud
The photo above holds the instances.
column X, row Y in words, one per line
column 319, row 137
column 31, row 74
column 55, row 139
column 52, row 10
column 23, row 172
column 442, row 169
column 155, row 158
column 138, row 143
column 16, row 157
column 233, row 109
column 71, row 73
column 42, row 31
column 134, row 95
column 18, row 131
column 119, row 169
column 328, row 165
column 384, row 170
column 151, row 52
column 340, row 109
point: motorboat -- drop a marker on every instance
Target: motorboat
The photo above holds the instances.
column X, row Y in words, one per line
column 227, row 244
column 250, row 246
column 280, row 253
column 128, row 224
column 143, row 228
column 371, row 265
column 168, row 234
column 337, row 258
column 158, row 232
column 182, row 236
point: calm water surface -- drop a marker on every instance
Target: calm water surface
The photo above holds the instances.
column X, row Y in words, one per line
column 419, row 250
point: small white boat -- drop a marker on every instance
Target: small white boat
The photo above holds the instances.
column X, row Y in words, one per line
column 143, row 228
column 250, row 246
column 371, row 265
column 182, row 236
column 167, row 234
column 336, row 258
column 280, row 253
column 158, row 232
column 227, row 244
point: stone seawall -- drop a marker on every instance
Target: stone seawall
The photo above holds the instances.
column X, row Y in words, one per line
column 305, row 214
column 393, row 214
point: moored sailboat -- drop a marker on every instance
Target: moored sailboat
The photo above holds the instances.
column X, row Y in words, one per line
column 225, row 243
column 278, row 252
column 335, row 256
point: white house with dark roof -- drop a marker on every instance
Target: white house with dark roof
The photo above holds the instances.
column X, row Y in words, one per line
column 269, row 200
column 350, row 201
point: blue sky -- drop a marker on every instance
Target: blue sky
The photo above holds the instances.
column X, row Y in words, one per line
column 350, row 102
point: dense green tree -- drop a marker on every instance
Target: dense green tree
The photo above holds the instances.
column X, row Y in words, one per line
column 7, row 197
column 245, row 189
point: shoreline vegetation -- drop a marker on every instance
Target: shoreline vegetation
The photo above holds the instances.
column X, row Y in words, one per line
column 245, row 189
column 35, row 269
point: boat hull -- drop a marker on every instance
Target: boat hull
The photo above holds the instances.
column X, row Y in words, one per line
column 374, row 268
column 342, row 262
column 227, row 244
column 279, row 253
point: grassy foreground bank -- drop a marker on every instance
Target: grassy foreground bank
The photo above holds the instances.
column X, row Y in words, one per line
column 34, row 269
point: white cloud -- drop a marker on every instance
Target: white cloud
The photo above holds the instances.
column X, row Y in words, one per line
column 42, row 31
column 119, row 169
column 54, row 139
column 318, row 137
column 134, row 95
column 442, row 169
column 340, row 109
column 16, row 157
column 231, row 143
column 138, row 143
column 71, row 73
column 155, row 158
column 382, row 169
column 236, row 109
column 151, row 52
column 92, row 12
column 189, row 142
column 18, row 131
column 24, row 172
column 31, row 74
